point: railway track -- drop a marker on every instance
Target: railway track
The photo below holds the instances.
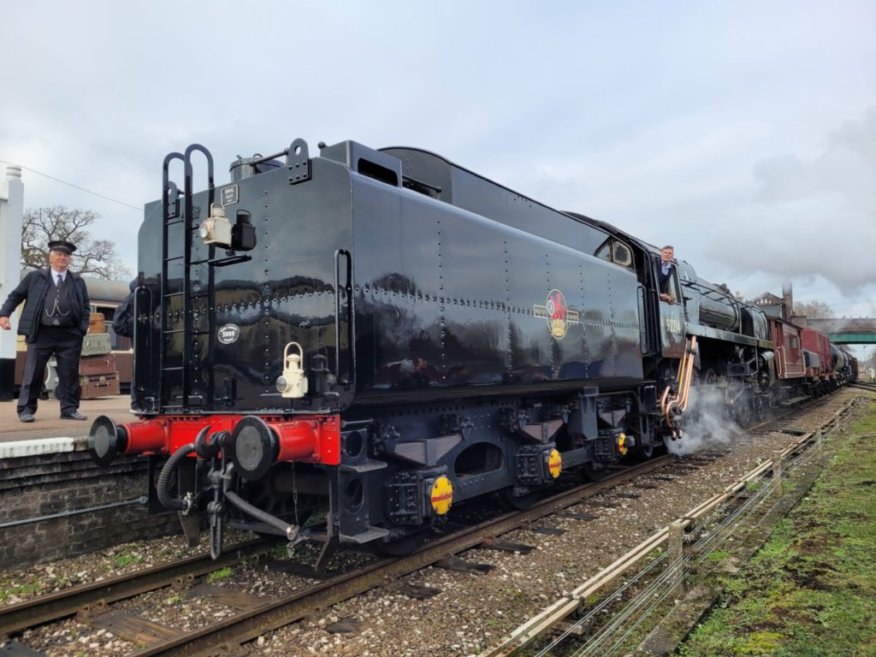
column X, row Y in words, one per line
column 93, row 604
column 863, row 385
column 272, row 615
column 44, row 609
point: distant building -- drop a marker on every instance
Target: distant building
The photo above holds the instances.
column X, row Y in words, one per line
column 774, row 306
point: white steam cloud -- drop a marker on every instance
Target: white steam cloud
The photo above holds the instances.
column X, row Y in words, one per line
column 705, row 425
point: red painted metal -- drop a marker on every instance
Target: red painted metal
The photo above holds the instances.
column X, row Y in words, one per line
column 817, row 344
column 314, row 439
column 826, row 358
column 789, row 350
column 146, row 437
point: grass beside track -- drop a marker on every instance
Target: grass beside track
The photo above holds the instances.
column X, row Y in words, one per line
column 811, row 590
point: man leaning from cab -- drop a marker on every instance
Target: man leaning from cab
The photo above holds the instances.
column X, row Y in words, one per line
column 667, row 256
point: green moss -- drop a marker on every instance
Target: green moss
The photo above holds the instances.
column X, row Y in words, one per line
column 219, row 575
column 717, row 556
column 12, row 590
column 754, row 485
column 127, row 559
column 279, row 551
column 758, row 643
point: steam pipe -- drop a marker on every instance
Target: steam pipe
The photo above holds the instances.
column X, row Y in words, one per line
column 688, row 373
column 677, row 403
column 161, row 486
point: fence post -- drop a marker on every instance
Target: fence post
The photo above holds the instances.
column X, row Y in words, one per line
column 675, row 552
column 778, row 459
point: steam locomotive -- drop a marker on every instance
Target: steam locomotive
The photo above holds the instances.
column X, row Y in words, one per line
column 380, row 334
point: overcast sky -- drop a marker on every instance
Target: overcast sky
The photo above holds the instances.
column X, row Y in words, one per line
column 742, row 132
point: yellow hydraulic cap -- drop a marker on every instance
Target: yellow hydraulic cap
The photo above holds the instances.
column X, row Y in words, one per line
column 555, row 463
column 442, row 495
column 622, row 446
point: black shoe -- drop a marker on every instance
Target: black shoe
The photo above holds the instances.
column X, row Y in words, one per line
column 75, row 415
column 26, row 416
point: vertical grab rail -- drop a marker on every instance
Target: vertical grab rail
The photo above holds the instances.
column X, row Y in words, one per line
column 188, row 311
column 351, row 343
column 169, row 216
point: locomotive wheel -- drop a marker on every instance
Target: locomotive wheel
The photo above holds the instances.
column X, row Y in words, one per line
column 511, row 502
column 759, row 409
column 744, row 412
column 595, row 474
column 646, row 451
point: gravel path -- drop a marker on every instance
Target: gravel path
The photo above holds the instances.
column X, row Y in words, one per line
column 469, row 612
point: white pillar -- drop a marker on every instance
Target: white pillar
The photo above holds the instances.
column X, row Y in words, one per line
column 11, row 217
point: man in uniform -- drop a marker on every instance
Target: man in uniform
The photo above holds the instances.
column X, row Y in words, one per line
column 54, row 321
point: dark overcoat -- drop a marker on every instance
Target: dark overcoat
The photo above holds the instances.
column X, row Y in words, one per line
column 32, row 290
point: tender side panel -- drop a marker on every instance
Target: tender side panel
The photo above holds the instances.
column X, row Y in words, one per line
column 447, row 298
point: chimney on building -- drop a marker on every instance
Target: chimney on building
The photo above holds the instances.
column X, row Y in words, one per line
column 787, row 300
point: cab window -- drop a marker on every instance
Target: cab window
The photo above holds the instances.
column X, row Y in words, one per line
column 620, row 254
column 615, row 251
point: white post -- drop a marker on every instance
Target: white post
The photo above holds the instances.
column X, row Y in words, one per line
column 11, row 217
column 675, row 555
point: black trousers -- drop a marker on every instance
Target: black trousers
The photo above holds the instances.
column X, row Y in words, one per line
column 66, row 345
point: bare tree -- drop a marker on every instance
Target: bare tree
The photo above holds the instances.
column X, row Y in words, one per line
column 813, row 310
column 94, row 257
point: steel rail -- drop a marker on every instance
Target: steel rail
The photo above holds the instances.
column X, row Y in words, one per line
column 55, row 606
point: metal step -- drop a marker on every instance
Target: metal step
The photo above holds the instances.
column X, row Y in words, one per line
column 371, row 534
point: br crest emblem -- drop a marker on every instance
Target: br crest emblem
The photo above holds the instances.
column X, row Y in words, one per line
column 559, row 316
